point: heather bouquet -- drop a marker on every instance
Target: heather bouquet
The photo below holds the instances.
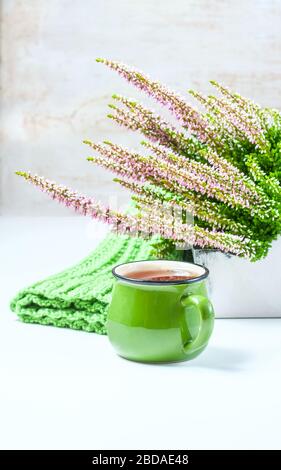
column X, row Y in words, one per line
column 221, row 165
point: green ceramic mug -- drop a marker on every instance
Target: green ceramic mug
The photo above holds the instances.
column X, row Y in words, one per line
column 159, row 321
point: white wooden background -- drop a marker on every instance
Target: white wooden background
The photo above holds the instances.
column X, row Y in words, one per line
column 54, row 94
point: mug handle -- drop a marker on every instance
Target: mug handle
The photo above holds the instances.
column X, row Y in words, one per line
column 206, row 315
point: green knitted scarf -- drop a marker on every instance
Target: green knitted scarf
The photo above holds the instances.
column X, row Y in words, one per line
column 79, row 296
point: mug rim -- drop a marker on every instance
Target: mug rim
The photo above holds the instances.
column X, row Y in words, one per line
column 159, row 283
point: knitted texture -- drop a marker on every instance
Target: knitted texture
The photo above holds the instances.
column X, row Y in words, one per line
column 78, row 297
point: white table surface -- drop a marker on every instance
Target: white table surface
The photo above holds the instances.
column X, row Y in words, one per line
column 67, row 389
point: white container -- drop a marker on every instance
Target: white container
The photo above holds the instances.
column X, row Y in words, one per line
column 242, row 289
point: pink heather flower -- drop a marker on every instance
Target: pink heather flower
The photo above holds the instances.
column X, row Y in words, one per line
column 189, row 117
column 240, row 120
column 197, row 236
column 233, row 118
column 189, row 174
column 192, row 203
column 173, row 171
column 150, row 125
column 139, row 118
column 150, row 222
column 248, row 107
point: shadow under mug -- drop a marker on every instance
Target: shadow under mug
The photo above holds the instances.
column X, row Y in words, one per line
column 156, row 321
